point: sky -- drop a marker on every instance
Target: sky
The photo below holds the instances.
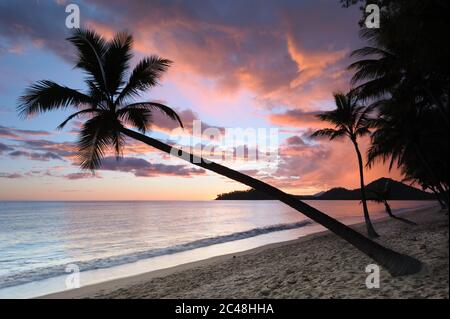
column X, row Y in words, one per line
column 270, row 64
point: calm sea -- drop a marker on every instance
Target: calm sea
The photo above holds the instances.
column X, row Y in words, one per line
column 107, row 240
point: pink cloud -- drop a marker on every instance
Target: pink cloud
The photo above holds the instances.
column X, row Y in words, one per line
column 35, row 156
column 294, row 56
column 289, row 55
column 319, row 166
column 297, row 118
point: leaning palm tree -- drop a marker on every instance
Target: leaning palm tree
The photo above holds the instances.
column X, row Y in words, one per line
column 110, row 110
column 350, row 120
column 382, row 197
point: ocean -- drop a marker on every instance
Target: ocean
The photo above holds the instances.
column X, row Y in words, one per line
column 41, row 241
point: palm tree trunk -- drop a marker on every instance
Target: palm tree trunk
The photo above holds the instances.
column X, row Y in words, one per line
column 388, row 208
column 397, row 264
column 389, row 212
column 438, row 197
column 370, row 229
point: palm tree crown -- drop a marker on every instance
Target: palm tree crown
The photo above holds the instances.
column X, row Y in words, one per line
column 349, row 119
column 109, row 100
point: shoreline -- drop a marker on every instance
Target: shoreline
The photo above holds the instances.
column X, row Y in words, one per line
column 119, row 283
column 132, row 286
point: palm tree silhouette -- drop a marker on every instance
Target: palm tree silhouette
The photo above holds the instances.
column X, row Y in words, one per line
column 350, row 120
column 405, row 66
column 407, row 137
column 382, row 197
column 107, row 105
column 395, row 61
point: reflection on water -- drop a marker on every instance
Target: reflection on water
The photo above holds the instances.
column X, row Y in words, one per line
column 38, row 239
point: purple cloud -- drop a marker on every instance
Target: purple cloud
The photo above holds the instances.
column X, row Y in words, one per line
column 76, row 176
column 14, row 133
column 142, row 168
column 5, row 148
column 10, row 175
column 38, row 22
column 36, row 156
column 62, row 149
column 285, row 51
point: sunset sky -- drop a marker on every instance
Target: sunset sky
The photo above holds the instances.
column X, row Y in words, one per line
column 248, row 64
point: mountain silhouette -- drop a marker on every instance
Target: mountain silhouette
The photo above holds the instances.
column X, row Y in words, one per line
column 399, row 191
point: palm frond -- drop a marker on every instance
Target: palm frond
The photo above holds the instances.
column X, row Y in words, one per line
column 96, row 136
column 332, row 117
column 166, row 110
column 371, row 35
column 118, row 142
column 340, row 100
column 99, row 97
column 77, row 114
column 46, row 96
column 91, row 53
column 330, row 133
column 362, row 131
column 369, row 70
column 374, row 89
column 117, row 56
column 145, row 75
column 384, row 149
column 363, row 121
column 140, row 118
column 368, row 51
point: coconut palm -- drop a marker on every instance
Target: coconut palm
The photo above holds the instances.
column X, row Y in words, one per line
column 404, row 71
column 382, row 197
column 350, row 120
column 111, row 111
column 383, row 71
column 409, row 139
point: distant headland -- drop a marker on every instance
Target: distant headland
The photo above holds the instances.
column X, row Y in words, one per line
column 398, row 190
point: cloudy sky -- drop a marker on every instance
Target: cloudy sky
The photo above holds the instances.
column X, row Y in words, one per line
column 248, row 64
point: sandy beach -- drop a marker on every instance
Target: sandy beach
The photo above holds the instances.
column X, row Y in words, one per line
column 316, row 266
